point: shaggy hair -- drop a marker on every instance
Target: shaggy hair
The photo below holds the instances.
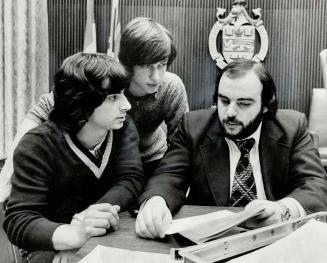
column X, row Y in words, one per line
column 145, row 42
column 82, row 83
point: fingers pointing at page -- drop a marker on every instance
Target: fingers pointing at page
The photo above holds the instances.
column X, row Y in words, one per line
column 153, row 218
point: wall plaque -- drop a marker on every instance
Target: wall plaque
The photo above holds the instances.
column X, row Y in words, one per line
column 238, row 35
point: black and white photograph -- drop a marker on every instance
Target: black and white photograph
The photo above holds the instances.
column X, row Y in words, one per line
column 163, row 131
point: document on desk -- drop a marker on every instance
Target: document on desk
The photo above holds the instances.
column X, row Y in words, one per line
column 103, row 254
column 200, row 229
column 306, row 244
column 187, row 223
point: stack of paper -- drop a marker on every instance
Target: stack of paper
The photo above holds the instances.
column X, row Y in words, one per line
column 206, row 227
column 187, row 223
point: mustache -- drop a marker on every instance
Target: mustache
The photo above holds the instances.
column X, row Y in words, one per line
column 232, row 120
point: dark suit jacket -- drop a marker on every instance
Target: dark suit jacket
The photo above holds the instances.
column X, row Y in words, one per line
column 199, row 158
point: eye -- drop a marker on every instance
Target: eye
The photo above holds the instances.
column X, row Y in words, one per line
column 112, row 97
column 244, row 104
column 224, row 101
column 163, row 64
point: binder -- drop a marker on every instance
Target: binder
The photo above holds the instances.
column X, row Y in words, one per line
column 228, row 247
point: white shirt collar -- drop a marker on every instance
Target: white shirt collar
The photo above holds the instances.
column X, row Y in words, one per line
column 97, row 171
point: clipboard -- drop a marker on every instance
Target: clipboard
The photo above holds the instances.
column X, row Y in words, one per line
column 228, row 247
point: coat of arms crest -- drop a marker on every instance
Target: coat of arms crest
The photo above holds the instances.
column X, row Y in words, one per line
column 238, row 35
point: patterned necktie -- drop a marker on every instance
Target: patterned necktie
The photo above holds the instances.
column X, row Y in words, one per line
column 243, row 190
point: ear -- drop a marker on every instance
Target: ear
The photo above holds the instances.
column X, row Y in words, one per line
column 265, row 109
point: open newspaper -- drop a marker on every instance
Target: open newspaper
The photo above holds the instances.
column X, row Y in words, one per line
column 200, row 229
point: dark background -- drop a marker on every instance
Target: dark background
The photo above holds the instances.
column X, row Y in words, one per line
column 296, row 29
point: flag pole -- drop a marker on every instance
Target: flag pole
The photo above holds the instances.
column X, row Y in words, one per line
column 114, row 35
column 90, row 43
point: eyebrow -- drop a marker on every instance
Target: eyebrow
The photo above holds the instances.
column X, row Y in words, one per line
column 240, row 99
column 222, row 96
column 120, row 92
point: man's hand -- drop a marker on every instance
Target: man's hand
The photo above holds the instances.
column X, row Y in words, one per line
column 102, row 215
column 64, row 256
column 271, row 214
column 153, row 218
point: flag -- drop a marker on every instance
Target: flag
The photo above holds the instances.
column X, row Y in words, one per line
column 115, row 30
column 90, row 42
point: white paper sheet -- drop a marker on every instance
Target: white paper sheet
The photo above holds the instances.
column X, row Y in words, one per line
column 305, row 245
column 103, row 254
column 183, row 224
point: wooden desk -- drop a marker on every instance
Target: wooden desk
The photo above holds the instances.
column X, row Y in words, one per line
column 126, row 238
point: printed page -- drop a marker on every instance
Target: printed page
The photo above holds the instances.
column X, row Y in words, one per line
column 183, row 224
column 103, row 254
column 207, row 227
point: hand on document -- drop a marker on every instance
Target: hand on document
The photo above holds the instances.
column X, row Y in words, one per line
column 270, row 215
column 153, row 218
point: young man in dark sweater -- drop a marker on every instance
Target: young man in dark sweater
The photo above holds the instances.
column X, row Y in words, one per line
column 157, row 96
column 75, row 172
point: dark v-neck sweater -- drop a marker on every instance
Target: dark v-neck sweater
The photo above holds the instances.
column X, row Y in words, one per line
column 51, row 183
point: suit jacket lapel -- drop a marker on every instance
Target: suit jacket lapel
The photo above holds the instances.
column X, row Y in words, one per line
column 273, row 157
column 215, row 159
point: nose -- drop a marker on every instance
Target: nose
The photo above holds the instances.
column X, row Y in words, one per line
column 125, row 105
column 154, row 75
column 231, row 110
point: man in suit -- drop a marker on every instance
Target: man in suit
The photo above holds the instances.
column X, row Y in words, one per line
column 244, row 153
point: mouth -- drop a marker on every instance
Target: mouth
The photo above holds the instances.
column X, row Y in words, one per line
column 153, row 86
column 122, row 118
column 232, row 125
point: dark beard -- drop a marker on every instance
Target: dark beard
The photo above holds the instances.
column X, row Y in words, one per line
column 247, row 130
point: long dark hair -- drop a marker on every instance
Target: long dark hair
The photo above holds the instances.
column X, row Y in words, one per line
column 81, row 84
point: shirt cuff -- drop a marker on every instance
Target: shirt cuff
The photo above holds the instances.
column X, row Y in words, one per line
column 294, row 206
